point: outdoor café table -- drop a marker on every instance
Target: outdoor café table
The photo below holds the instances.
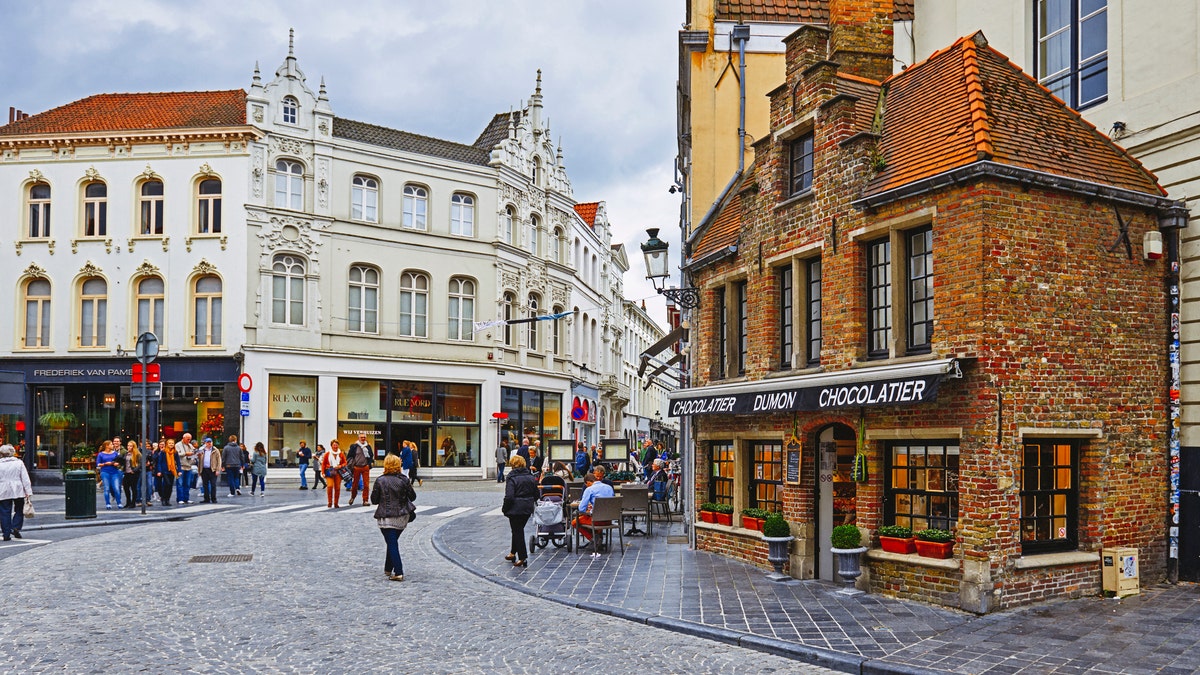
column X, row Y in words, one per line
column 634, row 530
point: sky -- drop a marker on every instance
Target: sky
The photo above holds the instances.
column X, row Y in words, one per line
column 442, row 69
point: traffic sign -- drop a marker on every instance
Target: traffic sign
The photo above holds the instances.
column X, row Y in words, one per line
column 152, row 372
column 146, row 348
column 153, row 392
column 245, row 396
column 500, row 415
column 244, row 382
column 245, row 412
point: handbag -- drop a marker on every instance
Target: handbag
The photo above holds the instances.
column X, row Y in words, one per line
column 29, row 513
column 412, row 512
column 329, row 471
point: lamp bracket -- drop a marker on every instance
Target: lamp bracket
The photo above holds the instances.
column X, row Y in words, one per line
column 687, row 298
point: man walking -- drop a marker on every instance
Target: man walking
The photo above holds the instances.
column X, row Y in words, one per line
column 360, row 457
column 185, row 461
column 304, row 456
column 209, row 460
column 231, row 459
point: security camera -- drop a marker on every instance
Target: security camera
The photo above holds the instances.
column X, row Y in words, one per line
column 672, row 190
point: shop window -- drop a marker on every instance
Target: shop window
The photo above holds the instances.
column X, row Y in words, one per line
column 414, row 304
column 1072, row 50
column 93, row 312
column 921, row 485
column 364, row 199
column 37, row 314
column 720, row 481
column 416, row 206
column 461, row 313
column 783, row 282
column 766, row 475
column 206, row 318
column 39, row 211
column 208, row 206
column 1049, row 496
column 151, row 293
column 95, row 210
column 150, row 206
column 289, row 185
column 364, row 300
column 292, row 416
column 462, row 215
column 287, row 290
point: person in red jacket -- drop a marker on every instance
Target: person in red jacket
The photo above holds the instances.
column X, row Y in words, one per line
column 331, row 463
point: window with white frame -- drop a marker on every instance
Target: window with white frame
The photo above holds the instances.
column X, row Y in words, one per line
column 506, row 313
column 364, row 300
column 93, row 312
column 1072, row 50
column 556, row 244
column 462, row 215
column 151, row 294
column 206, row 315
column 539, row 174
column 535, row 229
column 364, row 199
column 414, row 304
column 95, row 209
column 416, row 206
column 287, row 290
column 37, row 314
column 506, row 224
column 556, row 332
column 208, row 206
column 150, row 201
column 291, row 109
column 534, row 341
column 289, row 185
column 462, row 309
column 39, row 211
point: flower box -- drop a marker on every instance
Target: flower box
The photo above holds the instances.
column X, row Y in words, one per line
column 935, row 549
column 752, row 523
column 725, row 519
column 708, row 517
column 898, row 544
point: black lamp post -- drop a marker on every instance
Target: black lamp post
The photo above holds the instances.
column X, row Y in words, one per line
column 657, row 271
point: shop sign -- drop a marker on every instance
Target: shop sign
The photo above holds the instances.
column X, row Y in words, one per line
column 291, row 397
column 904, row 391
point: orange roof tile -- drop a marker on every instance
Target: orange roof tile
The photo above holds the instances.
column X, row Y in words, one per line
column 723, row 232
column 137, row 112
column 587, row 211
column 969, row 103
column 790, row 11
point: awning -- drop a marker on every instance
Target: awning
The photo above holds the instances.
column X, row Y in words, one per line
column 902, row 384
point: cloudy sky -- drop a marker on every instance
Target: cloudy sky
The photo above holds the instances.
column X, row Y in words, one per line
column 436, row 68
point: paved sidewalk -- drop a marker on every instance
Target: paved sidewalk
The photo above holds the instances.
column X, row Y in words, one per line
column 665, row 584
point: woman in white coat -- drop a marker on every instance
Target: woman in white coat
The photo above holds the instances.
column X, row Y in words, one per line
column 14, row 490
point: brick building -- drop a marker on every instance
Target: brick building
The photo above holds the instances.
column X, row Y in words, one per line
column 950, row 276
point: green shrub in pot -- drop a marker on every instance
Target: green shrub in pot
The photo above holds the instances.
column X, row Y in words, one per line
column 896, row 531
column 934, row 534
column 723, row 508
column 776, row 526
column 846, row 536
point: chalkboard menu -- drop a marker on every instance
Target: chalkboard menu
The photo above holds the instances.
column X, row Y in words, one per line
column 793, row 462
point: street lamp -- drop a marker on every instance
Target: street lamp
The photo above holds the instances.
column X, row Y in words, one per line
column 657, row 271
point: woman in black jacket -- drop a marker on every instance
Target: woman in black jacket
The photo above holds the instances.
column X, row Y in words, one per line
column 520, row 494
column 394, row 495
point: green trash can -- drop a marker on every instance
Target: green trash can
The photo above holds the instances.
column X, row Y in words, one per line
column 81, row 494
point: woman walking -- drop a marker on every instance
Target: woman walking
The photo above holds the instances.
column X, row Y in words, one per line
column 318, row 455
column 14, row 490
column 108, row 463
column 258, row 469
column 331, row 464
column 393, row 494
column 164, row 470
column 520, row 494
column 133, row 474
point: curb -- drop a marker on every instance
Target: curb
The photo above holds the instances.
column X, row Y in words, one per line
column 826, row 658
column 104, row 523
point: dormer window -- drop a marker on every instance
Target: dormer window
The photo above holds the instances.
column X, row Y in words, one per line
column 291, row 108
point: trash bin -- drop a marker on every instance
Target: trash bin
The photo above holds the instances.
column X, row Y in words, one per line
column 81, row 494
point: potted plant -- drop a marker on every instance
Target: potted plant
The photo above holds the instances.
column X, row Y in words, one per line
column 897, row 539
column 847, row 546
column 935, row 543
column 57, row 421
column 724, row 514
column 752, row 519
column 708, row 513
column 778, row 535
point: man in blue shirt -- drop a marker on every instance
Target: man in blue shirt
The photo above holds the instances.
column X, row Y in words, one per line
column 593, row 489
column 303, row 457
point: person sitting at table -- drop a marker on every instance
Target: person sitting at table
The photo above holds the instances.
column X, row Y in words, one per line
column 658, row 480
column 593, row 488
column 600, row 472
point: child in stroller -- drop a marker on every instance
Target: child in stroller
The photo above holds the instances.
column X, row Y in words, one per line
column 548, row 516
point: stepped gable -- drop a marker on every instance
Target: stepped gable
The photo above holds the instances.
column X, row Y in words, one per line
column 408, row 142
column 137, row 112
column 790, row 11
column 968, row 103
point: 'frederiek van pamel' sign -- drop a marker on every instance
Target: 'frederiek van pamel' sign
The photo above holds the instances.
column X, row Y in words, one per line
column 903, row 391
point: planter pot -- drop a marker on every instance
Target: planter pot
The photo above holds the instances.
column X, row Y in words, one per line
column 752, row 523
column 777, row 554
column 898, row 545
column 849, row 567
column 708, row 517
column 725, row 519
column 935, row 549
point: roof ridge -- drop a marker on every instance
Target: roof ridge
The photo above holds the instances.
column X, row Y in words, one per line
column 976, row 101
column 858, row 78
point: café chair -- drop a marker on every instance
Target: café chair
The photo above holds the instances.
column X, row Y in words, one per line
column 606, row 517
column 659, row 499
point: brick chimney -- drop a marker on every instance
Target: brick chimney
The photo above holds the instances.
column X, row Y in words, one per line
column 860, row 38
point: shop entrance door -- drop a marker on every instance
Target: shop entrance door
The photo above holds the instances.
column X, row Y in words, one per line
column 418, row 434
column 835, row 491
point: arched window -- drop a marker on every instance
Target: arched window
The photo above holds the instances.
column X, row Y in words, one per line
column 206, row 319
column 539, row 174
column 506, row 313
column 151, row 205
column 506, row 224
column 287, row 290
column 535, row 228
column 37, row 314
column 556, row 244
column 95, row 209
column 364, row 300
column 534, row 338
column 208, row 204
column 39, row 211
column 364, row 199
column 93, row 312
column 462, row 309
column 416, row 205
column 556, row 332
column 150, row 295
column 291, row 109
column 414, row 304
column 289, row 185
column 462, row 215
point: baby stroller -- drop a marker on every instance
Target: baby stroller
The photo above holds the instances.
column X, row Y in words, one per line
column 548, row 517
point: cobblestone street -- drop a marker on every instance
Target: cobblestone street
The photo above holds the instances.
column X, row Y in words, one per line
column 313, row 599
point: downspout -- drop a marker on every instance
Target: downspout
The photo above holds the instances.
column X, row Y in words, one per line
column 741, row 35
column 1170, row 223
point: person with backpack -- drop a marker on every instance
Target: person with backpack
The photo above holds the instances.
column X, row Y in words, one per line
column 393, row 496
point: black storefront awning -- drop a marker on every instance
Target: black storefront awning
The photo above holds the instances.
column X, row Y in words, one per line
column 904, row 384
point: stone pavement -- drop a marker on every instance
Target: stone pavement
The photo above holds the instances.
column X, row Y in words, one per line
column 662, row 583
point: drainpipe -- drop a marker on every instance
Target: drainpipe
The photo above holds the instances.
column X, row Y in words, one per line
column 1170, row 223
column 741, row 35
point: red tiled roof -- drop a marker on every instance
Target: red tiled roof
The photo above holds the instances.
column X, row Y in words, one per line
column 969, row 103
column 587, row 211
column 723, row 232
column 867, row 92
column 137, row 112
column 790, row 11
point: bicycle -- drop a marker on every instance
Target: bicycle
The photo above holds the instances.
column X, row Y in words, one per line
column 675, row 486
